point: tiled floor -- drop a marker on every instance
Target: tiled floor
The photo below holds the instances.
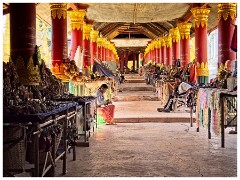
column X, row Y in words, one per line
column 154, row 149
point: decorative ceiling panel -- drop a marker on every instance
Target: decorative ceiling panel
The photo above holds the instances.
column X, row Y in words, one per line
column 131, row 42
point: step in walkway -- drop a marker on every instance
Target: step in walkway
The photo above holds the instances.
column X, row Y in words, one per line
column 138, row 103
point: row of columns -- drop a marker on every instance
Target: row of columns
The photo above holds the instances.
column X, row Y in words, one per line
column 124, row 58
column 166, row 50
column 83, row 37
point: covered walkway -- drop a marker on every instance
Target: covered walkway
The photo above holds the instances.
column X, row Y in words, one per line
column 153, row 149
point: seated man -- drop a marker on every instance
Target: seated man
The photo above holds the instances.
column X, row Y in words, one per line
column 181, row 88
column 105, row 107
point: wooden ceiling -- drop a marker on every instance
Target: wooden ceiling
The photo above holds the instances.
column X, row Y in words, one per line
column 133, row 20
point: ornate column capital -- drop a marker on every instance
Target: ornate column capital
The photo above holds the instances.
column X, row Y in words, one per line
column 168, row 41
column 202, row 69
column 184, row 29
column 162, row 41
column 94, row 35
column 77, row 18
column 86, row 31
column 174, row 32
column 99, row 41
column 58, row 10
column 200, row 15
column 227, row 9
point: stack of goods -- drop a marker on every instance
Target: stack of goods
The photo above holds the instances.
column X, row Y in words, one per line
column 22, row 100
column 50, row 85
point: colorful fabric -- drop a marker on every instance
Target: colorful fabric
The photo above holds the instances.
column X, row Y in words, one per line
column 107, row 112
column 193, row 74
column 209, row 99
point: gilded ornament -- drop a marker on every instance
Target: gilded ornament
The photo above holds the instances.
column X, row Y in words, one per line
column 202, row 69
column 227, row 9
column 28, row 75
column 99, row 41
column 200, row 15
column 163, row 44
column 94, row 35
column 175, row 34
column 77, row 19
column 86, row 31
column 58, row 10
column 184, row 29
column 168, row 41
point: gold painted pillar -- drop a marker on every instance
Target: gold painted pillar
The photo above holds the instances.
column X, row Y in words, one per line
column 93, row 45
column 77, row 20
column 99, row 48
column 163, row 51
column 86, row 46
column 59, row 39
column 226, row 16
column 168, row 42
column 184, row 29
column 200, row 15
column 175, row 45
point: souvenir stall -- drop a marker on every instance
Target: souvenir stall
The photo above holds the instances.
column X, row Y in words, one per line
column 37, row 130
column 217, row 104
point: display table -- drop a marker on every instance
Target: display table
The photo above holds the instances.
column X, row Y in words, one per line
column 89, row 114
column 36, row 124
column 216, row 109
column 164, row 89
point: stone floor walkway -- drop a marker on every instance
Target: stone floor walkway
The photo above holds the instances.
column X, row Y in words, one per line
column 153, row 150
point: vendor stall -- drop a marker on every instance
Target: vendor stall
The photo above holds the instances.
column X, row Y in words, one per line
column 216, row 110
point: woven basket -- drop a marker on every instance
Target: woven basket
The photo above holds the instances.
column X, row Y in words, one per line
column 13, row 154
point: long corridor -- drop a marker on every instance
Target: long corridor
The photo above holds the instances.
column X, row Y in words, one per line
column 153, row 149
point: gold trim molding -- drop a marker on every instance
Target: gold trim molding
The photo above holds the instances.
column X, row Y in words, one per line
column 202, row 69
column 58, row 10
column 77, row 19
column 168, row 41
column 174, row 32
column 86, row 31
column 200, row 15
column 28, row 75
column 162, row 40
column 94, row 35
column 184, row 29
column 227, row 9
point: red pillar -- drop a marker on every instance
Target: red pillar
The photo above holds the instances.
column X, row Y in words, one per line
column 134, row 60
column 126, row 53
column 159, row 52
column 201, row 19
column 107, row 51
column 23, row 40
column 86, row 45
column 163, row 51
column 175, row 45
column 93, row 46
column 77, row 18
column 59, row 38
column 103, row 49
column 22, row 30
column 156, row 52
column 227, row 16
column 184, row 29
column 99, row 47
column 168, row 43
column 122, row 61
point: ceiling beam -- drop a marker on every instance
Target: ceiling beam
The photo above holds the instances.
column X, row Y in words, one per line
column 113, row 29
column 151, row 29
column 73, row 6
column 188, row 16
column 108, row 28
